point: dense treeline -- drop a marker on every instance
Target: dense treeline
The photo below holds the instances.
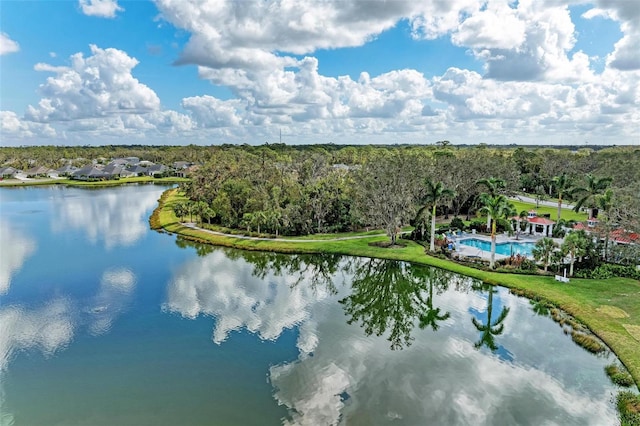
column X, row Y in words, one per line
column 305, row 189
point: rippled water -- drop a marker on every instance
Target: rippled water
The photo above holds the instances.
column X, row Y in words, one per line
column 105, row 322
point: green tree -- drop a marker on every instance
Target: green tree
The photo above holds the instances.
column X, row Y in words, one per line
column 180, row 210
column 575, row 246
column 494, row 206
column 594, row 186
column 493, row 185
column 543, row 251
column 434, row 194
column 605, row 203
column 562, row 185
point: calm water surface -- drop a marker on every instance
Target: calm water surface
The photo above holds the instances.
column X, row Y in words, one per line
column 105, row 322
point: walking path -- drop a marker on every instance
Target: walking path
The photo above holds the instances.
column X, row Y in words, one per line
column 289, row 240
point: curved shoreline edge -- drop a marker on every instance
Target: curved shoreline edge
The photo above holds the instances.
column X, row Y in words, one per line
column 586, row 300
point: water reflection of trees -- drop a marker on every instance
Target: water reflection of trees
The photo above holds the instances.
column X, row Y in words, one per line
column 392, row 295
column 317, row 270
column 492, row 327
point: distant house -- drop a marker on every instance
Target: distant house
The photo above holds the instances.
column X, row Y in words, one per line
column 39, row 171
column 618, row 235
column 66, row 170
column 8, row 172
column 180, row 165
column 157, row 170
column 186, row 172
column 137, row 170
column 90, row 173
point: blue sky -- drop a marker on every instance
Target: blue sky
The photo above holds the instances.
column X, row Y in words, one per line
column 184, row 71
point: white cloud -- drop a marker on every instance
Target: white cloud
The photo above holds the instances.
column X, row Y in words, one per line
column 100, row 8
column 7, row 45
column 211, row 112
column 116, row 290
column 12, row 127
column 99, row 85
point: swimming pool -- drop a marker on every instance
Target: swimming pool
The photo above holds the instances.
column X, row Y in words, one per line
column 506, row 249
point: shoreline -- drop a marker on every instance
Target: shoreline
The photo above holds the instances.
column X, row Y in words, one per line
column 16, row 183
column 612, row 315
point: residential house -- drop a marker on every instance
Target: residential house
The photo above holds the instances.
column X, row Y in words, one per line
column 8, row 172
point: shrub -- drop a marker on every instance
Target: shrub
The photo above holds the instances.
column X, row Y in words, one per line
column 618, row 375
column 457, row 223
column 609, row 270
column 629, row 408
column 588, row 342
column 479, row 225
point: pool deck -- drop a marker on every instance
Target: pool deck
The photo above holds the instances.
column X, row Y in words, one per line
column 474, row 252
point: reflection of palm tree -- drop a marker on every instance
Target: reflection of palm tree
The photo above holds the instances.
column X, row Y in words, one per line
column 491, row 328
column 540, row 307
column 432, row 316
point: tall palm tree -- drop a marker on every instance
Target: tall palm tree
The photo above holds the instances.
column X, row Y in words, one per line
column 604, row 203
column 574, row 245
column 543, row 250
column 492, row 327
column 435, row 192
column 594, row 186
column 495, row 207
column 563, row 186
column 494, row 185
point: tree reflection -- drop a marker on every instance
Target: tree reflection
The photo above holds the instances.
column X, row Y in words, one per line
column 318, row 270
column 492, row 327
column 201, row 248
column 390, row 295
column 432, row 316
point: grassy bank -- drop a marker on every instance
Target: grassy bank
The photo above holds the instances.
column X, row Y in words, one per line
column 566, row 214
column 100, row 183
column 610, row 308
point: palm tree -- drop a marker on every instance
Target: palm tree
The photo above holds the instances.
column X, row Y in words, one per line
column 563, row 185
column 180, row 209
column 574, row 245
column 604, row 203
column 434, row 193
column 494, row 185
column 491, row 328
column 543, row 251
column 594, row 187
column 494, row 207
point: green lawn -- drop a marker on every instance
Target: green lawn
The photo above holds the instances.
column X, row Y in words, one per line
column 610, row 308
column 566, row 214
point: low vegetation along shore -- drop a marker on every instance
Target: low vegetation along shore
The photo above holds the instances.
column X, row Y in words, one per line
column 99, row 184
column 609, row 308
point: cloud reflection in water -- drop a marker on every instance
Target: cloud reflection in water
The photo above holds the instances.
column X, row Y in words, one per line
column 118, row 218
column 15, row 248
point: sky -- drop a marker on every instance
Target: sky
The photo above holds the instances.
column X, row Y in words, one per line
column 177, row 72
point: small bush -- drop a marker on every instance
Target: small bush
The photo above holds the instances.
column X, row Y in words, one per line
column 619, row 376
column 629, row 408
column 609, row 270
column 479, row 225
column 457, row 223
column 586, row 341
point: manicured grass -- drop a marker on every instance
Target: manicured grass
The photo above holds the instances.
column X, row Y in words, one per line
column 589, row 301
column 566, row 214
column 100, row 183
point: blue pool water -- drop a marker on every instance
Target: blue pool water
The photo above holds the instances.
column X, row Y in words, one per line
column 506, row 249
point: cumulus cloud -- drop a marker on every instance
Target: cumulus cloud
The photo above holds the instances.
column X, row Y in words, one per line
column 13, row 127
column 100, row 8
column 7, row 45
column 99, row 85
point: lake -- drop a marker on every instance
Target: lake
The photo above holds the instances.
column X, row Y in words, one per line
column 104, row 321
